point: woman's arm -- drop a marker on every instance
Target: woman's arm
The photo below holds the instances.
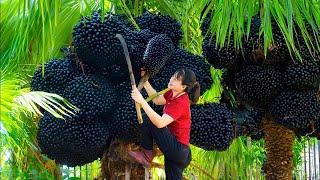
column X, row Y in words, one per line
column 155, row 118
column 160, row 100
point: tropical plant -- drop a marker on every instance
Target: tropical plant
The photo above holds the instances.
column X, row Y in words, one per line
column 42, row 28
column 19, row 56
column 18, row 124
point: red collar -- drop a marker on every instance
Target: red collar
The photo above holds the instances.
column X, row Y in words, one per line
column 178, row 95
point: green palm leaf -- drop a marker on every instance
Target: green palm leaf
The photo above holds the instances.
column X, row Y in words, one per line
column 48, row 101
column 17, row 123
column 287, row 15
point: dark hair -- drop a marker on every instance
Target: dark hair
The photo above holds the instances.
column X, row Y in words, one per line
column 188, row 78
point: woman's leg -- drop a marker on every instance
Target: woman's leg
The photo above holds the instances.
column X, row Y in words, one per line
column 172, row 170
column 166, row 142
column 177, row 155
column 175, row 170
column 146, row 136
column 145, row 156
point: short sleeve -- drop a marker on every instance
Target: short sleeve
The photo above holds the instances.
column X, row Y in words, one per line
column 174, row 110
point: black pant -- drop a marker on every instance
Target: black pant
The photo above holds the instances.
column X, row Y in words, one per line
column 177, row 156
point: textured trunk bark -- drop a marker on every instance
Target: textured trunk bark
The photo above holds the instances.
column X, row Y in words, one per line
column 278, row 144
column 115, row 163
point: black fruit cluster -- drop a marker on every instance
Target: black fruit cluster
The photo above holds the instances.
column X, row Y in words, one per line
column 220, row 57
column 248, row 122
column 302, row 76
column 95, row 42
column 276, row 83
column 72, row 141
column 257, row 86
column 297, row 110
column 161, row 24
column 56, row 74
column 183, row 59
column 211, row 127
column 158, row 51
column 92, row 94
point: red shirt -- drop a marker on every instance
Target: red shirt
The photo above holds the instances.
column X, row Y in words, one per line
column 179, row 109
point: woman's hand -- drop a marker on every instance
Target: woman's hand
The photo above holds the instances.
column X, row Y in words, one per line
column 136, row 95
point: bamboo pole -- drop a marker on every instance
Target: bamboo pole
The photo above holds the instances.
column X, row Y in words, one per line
column 146, row 173
column 127, row 171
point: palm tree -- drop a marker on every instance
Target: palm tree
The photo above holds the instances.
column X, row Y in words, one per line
column 19, row 114
column 21, row 53
column 231, row 21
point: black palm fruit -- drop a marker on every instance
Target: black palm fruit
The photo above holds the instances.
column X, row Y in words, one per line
column 297, row 110
column 253, row 46
column 125, row 124
column 257, row 86
column 73, row 142
column 301, row 76
column 248, row 122
column 95, row 42
column 220, row 57
column 158, row 51
column 183, row 59
column 161, row 24
column 56, row 74
column 92, row 94
column 211, row 127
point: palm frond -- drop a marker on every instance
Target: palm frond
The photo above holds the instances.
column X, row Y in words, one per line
column 230, row 16
column 37, row 28
column 214, row 93
column 223, row 165
column 48, row 101
column 130, row 11
column 17, row 123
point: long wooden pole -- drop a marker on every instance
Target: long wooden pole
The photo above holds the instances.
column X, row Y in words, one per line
column 133, row 81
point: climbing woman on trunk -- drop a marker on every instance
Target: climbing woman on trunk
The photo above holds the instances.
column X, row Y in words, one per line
column 171, row 130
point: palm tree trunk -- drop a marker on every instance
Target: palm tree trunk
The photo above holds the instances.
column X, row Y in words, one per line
column 278, row 144
column 115, row 163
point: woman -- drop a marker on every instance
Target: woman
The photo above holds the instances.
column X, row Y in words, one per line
column 171, row 131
